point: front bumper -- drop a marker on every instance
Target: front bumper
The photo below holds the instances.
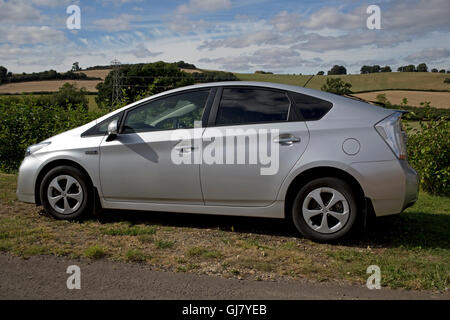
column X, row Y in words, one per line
column 27, row 179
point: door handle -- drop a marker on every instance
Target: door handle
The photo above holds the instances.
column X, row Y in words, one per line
column 185, row 149
column 286, row 140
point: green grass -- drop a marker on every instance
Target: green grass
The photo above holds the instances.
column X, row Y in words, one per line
column 136, row 255
column 412, row 249
column 361, row 82
column 95, row 252
column 203, row 252
column 164, row 244
column 130, row 230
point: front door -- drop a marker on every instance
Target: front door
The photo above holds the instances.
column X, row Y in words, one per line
column 138, row 165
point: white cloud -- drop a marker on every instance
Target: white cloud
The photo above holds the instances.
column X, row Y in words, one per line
column 199, row 6
column 53, row 3
column 428, row 55
column 276, row 59
column 32, row 35
column 120, row 23
column 180, row 23
column 17, row 11
column 142, row 52
column 332, row 18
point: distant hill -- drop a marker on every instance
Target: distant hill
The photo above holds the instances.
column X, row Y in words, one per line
column 362, row 82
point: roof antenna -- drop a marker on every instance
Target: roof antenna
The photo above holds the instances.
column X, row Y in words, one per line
column 308, row 81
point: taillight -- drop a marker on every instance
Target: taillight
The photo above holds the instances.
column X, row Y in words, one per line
column 391, row 130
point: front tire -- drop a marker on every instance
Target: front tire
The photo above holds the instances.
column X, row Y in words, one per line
column 66, row 193
column 325, row 209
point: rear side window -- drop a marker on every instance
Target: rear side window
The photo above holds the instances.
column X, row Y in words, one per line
column 245, row 106
column 311, row 108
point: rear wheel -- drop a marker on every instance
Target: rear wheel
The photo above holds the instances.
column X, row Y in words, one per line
column 325, row 209
column 66, row 193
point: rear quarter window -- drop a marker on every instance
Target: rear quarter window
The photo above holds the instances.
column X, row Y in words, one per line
column 311, row 108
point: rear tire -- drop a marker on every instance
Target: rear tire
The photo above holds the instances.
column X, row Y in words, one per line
column 66, row 193
column 325, row 209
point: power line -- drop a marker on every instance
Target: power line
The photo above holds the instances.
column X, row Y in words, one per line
column 117, row 82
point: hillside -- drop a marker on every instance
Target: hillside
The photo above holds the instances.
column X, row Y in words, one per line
column 362, row 82
column 436, row 99
column 46, row 86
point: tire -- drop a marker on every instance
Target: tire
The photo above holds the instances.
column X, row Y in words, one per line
column 66, row 193
column 328, row 220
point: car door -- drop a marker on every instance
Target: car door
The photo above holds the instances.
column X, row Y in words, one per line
column 138, row 166
column 243, row 116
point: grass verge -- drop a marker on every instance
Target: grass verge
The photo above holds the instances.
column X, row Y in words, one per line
column 412, row 249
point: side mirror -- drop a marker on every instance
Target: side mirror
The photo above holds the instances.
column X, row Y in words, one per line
column 112, row 130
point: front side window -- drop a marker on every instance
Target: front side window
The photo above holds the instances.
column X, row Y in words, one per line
column 246, row 106
column 101, row 128
column 174, row 112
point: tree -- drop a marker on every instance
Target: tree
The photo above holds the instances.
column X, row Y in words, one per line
column 3, row 74
column 184, row 65
column 434, row 70
column 143, row 78
column 68, row 94
column 386, row 69
column 442, row 71
column 320, row 73
column 366, row 69
column 76, row 66
column 408, row 68
column 336, row 86
column 337, row 70
column 422, row 67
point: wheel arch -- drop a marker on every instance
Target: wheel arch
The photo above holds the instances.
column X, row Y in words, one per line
column 49, row 166
column 321, row 172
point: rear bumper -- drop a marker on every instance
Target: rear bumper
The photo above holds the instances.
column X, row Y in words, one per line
column 392, row 186
column 412, row 185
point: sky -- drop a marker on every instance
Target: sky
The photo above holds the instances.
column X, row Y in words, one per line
column 284, row 36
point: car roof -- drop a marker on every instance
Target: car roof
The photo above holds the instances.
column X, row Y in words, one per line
column 347, row 104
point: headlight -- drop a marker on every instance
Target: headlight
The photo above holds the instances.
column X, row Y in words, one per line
column 35, row 147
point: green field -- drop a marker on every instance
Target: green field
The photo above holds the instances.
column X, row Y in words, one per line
column 362, row 82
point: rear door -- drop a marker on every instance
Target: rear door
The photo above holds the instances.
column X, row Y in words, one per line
column 260, row 126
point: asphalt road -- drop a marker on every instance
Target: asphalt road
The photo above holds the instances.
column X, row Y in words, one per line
column 45, row 278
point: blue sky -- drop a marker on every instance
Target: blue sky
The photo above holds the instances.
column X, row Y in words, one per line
column 284, row 36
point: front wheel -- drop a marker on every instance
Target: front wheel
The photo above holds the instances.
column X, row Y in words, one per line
column 325, row 209
column 66, row 193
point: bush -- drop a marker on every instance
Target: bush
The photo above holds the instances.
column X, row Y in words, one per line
column 447, row 80
column 336, row 86
column 422, row 113
column 429, row 154
column 24, row 121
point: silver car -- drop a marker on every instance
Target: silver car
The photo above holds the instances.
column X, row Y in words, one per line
column 323, row 161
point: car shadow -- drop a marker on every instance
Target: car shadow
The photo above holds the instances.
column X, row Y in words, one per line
column 263, row 226
column 410, row 230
